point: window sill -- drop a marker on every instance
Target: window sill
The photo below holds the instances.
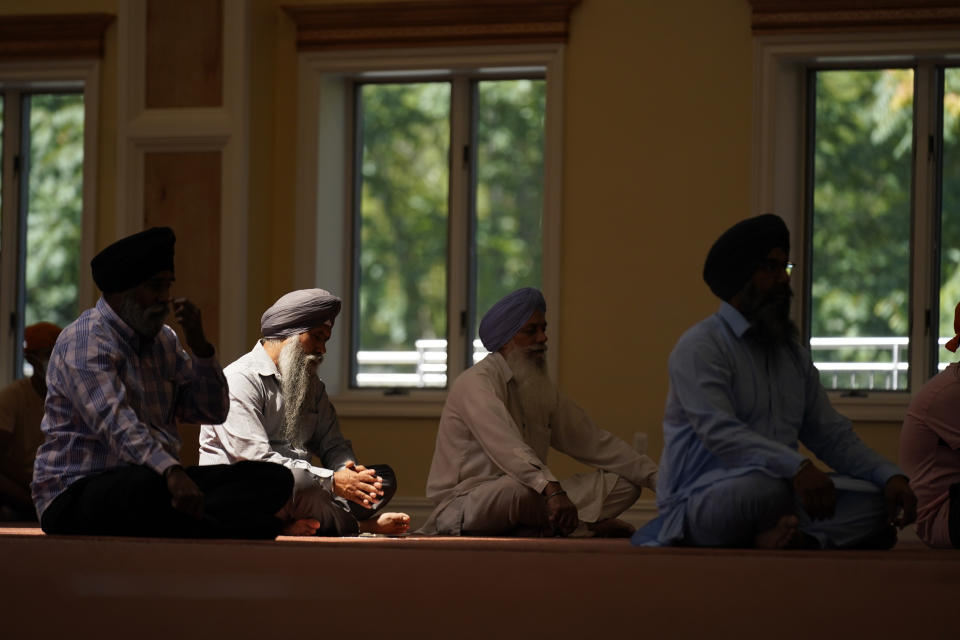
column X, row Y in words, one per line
column 874, row 407
column 377, row 405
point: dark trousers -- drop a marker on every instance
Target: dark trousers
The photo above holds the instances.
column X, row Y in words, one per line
column 337, row 516
column 240, row 501
column 953, row 520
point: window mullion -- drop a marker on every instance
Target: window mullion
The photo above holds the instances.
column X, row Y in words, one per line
column 10, row 232
column 924, row 252
column 458, row 247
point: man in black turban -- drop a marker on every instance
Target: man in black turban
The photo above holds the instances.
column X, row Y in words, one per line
column 280, row 412
column 118, row 382
column 743, row 394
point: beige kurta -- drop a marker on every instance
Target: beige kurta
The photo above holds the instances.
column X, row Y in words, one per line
column 483, row 436
column 21, row 410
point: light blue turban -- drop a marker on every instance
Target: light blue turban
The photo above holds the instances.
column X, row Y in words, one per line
column 507, row 316
column 298, row 312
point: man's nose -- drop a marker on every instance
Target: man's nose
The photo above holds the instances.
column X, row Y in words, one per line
column 541, row 336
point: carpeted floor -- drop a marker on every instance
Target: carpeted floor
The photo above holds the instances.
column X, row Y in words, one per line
column 79, row 587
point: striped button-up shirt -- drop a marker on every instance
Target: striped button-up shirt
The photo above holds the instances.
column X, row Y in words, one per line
column 113, row 399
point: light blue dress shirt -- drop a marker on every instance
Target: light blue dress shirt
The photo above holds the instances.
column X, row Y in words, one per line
column 734, row 407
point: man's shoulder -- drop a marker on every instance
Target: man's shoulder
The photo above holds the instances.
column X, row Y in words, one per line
column 16, row 392
column 707, row 330
column 247, row 372
column 487, row 376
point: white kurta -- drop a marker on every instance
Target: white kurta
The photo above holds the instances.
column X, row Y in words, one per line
column 483, row 436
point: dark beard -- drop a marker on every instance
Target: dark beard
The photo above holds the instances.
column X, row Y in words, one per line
column 769, row 315
column 145, row 321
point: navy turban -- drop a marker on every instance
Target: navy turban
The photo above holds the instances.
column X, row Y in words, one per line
column 133, row 260
column 505, row 318
column 740, row 250
column 298, row 312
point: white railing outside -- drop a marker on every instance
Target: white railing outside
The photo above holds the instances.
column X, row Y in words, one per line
column 426, row 367
column 888, row 369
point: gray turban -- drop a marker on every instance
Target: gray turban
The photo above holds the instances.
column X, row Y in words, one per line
column 298, row 312
column 507, row 316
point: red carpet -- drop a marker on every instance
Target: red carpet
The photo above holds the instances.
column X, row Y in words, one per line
column 60, row 587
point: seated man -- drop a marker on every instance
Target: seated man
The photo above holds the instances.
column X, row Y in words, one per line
column 743, row 393
column 930, row 453
column 118, row 381
column 280, row 412
column 21, row 410
column 489, row 474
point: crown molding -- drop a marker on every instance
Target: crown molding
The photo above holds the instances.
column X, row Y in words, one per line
column 45, row 37
column 430, row 24
column 801, row 16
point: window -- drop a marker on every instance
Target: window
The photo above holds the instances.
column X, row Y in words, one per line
column 46, row 194
column 43, row 133
column 431, row 191
column 405, row 166
column 856, row 147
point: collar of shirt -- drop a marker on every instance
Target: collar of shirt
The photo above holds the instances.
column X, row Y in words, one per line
column 734, row 319
column 263, row 364
column 500, row 364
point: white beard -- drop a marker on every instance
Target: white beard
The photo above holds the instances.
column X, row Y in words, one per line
column 298, row 385
column 537, row 392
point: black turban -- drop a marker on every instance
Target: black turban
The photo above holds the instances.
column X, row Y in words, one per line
column 134, row 259
column 740, row 250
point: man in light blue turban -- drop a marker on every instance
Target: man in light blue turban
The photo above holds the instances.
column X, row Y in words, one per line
column 280, row 412
column 489, row 474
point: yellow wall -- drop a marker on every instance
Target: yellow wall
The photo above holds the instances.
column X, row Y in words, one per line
column 657, row 128
column 657, row 137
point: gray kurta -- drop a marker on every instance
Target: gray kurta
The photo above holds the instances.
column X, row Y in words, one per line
column 253, row 426
column 483, row 436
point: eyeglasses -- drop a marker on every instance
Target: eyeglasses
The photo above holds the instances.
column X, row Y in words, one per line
column 770, row 265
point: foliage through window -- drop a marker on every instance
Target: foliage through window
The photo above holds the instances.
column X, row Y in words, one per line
column 412, row 184
column 47, row 143
column 863, row 157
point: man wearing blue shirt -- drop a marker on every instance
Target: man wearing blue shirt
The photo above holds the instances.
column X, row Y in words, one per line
column 743, row 394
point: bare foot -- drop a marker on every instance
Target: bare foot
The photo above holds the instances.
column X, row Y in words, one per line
column 302, row 527
column 780, row 536
column 611, row 528
column 389, row 523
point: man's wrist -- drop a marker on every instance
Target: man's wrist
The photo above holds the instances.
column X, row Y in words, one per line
column 170, row 469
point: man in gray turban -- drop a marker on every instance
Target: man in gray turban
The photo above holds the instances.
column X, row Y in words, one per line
column 280, row 412
column 743, row 394
column 489, row 474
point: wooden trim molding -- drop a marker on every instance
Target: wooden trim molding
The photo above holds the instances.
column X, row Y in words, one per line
column 46, row 37
column 800, row 16
column 430, row 24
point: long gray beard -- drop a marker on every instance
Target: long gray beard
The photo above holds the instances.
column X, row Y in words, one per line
column 146, row 322
column 298, row 385
column 537, row 392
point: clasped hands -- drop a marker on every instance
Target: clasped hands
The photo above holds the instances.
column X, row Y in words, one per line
column 358, row 484
column 819, row 496
column 561, row 512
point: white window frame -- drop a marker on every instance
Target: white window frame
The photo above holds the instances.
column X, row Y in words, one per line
column 779, row 166
column 83, row 75
column 322, row 242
